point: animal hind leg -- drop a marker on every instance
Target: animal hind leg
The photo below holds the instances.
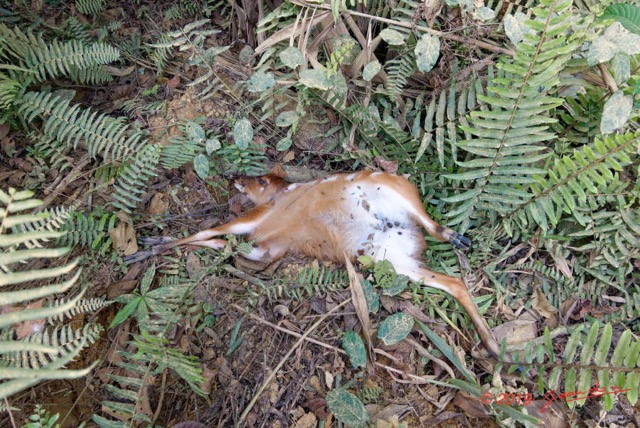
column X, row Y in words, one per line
column 434, row 229
column 456, row 288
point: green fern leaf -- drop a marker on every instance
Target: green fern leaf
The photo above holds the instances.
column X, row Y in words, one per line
column 505, row 137
column 591, row 170
column 132, row 181
column 71, row 125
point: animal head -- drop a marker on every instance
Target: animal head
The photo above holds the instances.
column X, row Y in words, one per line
column 261, row 190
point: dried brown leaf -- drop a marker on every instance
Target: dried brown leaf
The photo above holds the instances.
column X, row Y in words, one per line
column 309, row 420
column 470, row 405
column 552, row 414
column 387, row 165
column 28, row 328
column 516, row 331
column 289, row 156
column 318, row 406
column 158, row 205
column 124, row 236
column 360, row 303
column 542, row 305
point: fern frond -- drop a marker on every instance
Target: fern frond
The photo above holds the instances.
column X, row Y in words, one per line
column 135, row 175
column 13, row 256
column 89, row 7
column 399, row 70
column 161, row 54
column 83, row 306
column 442, row 114
column 613, row 238
column 52, row 151
column 125, row 391
column 64, row 339
column 191, row 39
column 89, row 230
column 310, row 281
column 405, row 11
column 9, row 90
column 51, row 220
column 506, row 136
column 596, row 349
column 579, row 118
column 52, row 59
column 71, row 125
column 591, row 170
column 75, row 29
column 180, row 150
column 94, row 75
column 157, row 350
column 182, row 11
column 152, row 356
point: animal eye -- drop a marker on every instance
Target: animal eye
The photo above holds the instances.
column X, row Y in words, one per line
column 262, row 181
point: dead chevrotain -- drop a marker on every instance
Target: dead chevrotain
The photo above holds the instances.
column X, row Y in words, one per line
column 364, row 213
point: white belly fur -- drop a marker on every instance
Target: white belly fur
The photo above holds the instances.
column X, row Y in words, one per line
column 380, row 225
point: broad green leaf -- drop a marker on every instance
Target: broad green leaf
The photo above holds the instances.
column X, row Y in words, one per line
column 260, row 81
column 392, row 37
column 427, row 52
column 616, row 112
column 201, row 166
column 126, row 311
column 370, row 70
column 354, row 347
column 616, row 39
column 572, row 345
column 515, row 28
column 212, row 145
column 584, row 383
column 286, row 118
column 347, row 408
column 621, row 67
column 398, row 286
column 626, row 14
column 384, row 273
column 194, row 131
column 570, row 385
column 617, row 359
column 485, row 14
column 395, row 328
column 243, row 133
column 373, row 300
column 284, row 144
column 633, row 380
column 292, row 57
column 605, row 382
column 317, row 79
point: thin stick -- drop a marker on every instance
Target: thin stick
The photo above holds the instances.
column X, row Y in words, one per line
column 268, row 380
column 417, row 380
column 466, row 40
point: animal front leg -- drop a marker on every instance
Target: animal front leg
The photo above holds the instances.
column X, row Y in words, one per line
column 240, row 226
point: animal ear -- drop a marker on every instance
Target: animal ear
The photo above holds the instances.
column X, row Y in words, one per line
column 278, row 171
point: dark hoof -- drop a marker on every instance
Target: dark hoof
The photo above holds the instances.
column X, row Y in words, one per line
column 461, row 242
column 155, row 240
column 138, row 257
